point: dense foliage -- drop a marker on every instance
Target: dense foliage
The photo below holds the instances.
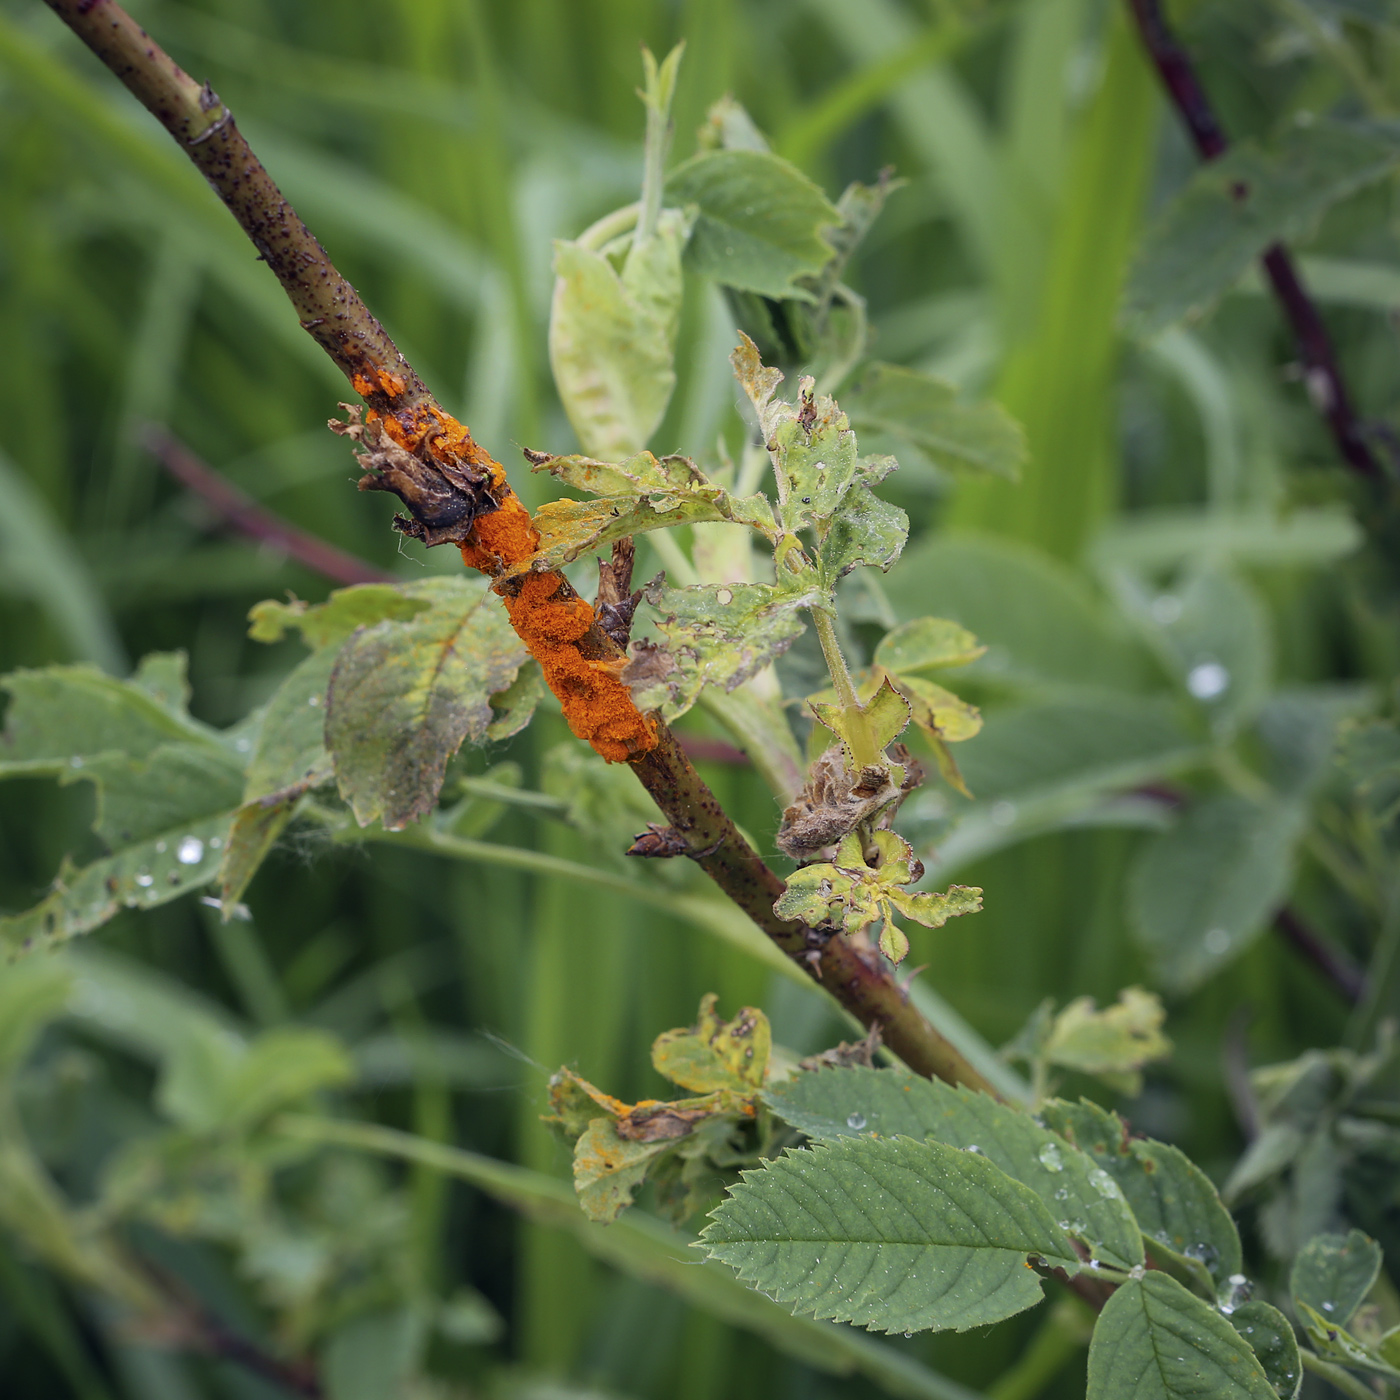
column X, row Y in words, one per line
column 351, row 893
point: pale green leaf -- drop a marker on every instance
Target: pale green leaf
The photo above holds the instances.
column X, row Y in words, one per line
column 885, row 716
column 894, row 1235
column 759, row 221
column 570, row 529
column 612, row 337
column 1271, row 1338
column 1334, row 1273
column 326, row 624
column 1177, row 1208
column 1236, row 206
column 1200, row 893
column 1156, row 1341
column 719, row 634
column 1087, row 1204
column 255, row 830
column 943, row 716
column 919, row 417
column 404, row 695
column 290, row 748
column 1118, row 1040
column 866, row 531
column 933, row 909
column 924, row 643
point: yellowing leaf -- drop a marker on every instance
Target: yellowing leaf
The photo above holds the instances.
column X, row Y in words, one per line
column 938, row 712
column 715, row 1054
column 1116, row 1041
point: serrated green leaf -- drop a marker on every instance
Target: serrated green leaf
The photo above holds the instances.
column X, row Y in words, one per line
column 1270, row 1337
column 1337, row 1344
column 1156, row 1341
column 1200, row 893
column 1176, row 1206
column 721, row 634
column 1334, row 1273
column 612, row 337
column 1236, row 206
column 917, row 416
column 404, row 695
column 894, row 1235
column 164, row 676
column 925, row 643
column 759, row 221
column 1117, row 1041
column 851, row 1102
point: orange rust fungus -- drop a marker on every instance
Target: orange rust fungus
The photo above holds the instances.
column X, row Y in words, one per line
column 547, row 615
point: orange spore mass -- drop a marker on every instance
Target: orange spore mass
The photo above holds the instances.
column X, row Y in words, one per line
column 547, row 615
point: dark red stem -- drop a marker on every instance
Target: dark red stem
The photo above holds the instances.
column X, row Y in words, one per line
column 1322, row 375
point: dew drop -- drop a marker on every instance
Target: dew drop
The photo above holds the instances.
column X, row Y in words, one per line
column 856, row 1121
column 1103, row 1183
column 1216, row 942
column 974, row 1149
column 1050, row 1158
column 191, row 851
column 1207, row 680
column 145, row 881
column 1329, row 1307
column 1003, row 813
column 76, row 761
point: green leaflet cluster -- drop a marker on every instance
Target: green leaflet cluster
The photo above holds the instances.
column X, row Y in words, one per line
column 919, row 1205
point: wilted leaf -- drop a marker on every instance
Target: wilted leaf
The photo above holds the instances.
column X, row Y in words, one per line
column 918, row 417
column 720, row 634
column 1202, row 892
column 715, row 1054
column 925, row 643
column 943, row 716
column 404, row 695
column 759, row 221
column 836, row 1103
column 1176, row 1206
column 612, row 337
column 894, row 1235
column 1334, row 1273
column 1234, row 207
column 1156, row 1341
column 1335, row 1343
column 885, row 715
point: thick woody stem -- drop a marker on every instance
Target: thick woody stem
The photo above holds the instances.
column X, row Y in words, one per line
column 1322, row 374
column 457, row 492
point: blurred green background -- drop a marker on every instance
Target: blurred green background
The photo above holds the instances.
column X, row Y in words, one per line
column 437, row 147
